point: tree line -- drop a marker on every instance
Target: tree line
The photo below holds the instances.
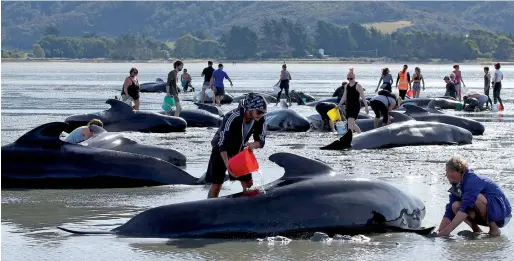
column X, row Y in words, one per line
column 283, row 39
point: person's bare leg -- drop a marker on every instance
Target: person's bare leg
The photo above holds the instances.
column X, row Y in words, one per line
column 203, row 95
column 246, row 185
column 331, row 124
column 177, row 109
column 376, row 121
column 481, row 209
column 214, row 191
column 470, row 220
column 351, row 122
column 136, row 105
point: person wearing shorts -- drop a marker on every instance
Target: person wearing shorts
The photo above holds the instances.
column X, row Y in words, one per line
column 207, row 74
column 217, row 82
column 323, row 108
column 171, row 86
column 248, row 119
column 382, row 104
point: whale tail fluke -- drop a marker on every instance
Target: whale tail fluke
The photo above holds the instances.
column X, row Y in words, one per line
column 85, row 232
column 344, row 142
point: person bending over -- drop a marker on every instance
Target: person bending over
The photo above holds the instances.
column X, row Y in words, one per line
column 322, row 108
column 233, row 134
column 83, row 133
column 474, row 199
column 476, row 101
column 382, row 104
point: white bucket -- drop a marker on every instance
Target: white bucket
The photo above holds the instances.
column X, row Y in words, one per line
column 494, row 108
column 341, row 128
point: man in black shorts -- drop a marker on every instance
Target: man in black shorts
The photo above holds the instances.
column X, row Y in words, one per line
column 382, row 104
column 322, row 108
column 235, row 131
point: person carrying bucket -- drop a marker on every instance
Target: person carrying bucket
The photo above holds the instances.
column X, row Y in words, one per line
column 323, row 108
column 248, row 119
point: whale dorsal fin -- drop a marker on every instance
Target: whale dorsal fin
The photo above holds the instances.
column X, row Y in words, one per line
column 159, row 80
column 49, row 132
column 118, row 106
column 400, row 117
column 410, row 108
column 299, row 167
column 431, row 106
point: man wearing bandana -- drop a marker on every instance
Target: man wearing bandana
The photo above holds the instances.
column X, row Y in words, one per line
column 248, row 119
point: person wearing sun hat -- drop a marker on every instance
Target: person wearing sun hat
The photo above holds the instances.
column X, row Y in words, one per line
column 248, row 119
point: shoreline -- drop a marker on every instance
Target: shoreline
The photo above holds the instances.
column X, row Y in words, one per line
column 265, row 61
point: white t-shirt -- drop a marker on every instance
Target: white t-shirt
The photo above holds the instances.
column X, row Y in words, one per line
column 498, row 75
column 387, row 101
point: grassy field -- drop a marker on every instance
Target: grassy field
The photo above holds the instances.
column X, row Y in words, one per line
column 170, row 44
column 389, row 27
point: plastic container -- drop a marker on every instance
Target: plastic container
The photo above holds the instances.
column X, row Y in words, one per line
column 341, row 128
column 168, row 103
column 243, row 163
column 334, row 114
column 304, row 100
column 458, row 107
column 500, row 107
column 494, row 108
column 409, row 93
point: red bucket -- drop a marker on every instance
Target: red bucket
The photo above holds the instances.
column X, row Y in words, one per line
column 409, row 93
column 243, row 163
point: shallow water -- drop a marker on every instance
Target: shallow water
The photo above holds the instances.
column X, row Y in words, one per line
column 36, row 93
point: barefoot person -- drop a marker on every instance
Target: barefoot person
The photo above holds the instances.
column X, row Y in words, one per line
column 207, row 74
column 474, row 199
column 405, row 82
column 387, row 80
column 83, row 133
column 459, row 82
column 131, row 89
column 171, row 85
column 284, row 79
column 417, row 78
column 352, row 96
column 217, row 79
column 235, row 131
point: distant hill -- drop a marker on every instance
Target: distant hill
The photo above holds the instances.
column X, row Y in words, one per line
column 24, row 22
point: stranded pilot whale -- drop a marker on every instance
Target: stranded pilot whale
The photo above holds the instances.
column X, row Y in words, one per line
column 285, row 119
column 433, row 115
column 40, row 159
column 116, row 141
column 407, row 133
column 121, row 117
column 308, row 198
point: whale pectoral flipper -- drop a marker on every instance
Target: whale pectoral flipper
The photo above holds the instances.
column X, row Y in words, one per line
column 85, row 232
column 424, row 231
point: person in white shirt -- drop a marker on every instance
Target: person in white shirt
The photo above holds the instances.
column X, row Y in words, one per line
column 497, row 85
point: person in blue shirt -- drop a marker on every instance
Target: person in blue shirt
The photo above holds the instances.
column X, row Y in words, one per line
column 217, row 83
column 474, row 199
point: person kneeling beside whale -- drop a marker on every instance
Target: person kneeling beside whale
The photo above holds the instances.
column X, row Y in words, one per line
column 235, row 130
column 83, row 133
column 382, row 104
column 474, row 199
column 475, row 102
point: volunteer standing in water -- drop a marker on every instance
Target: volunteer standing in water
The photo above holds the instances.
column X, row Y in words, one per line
column 131, row 89
column 207, row 73
column 487, row 86
column 235, row 131
column 405, row 82
column 497, row 84
column 459, row 82
column 217, row 83
column 353, row 93
column 387, row 80
column 284, row 79
column 474, row 199
column 171, row 85
column 417, row 78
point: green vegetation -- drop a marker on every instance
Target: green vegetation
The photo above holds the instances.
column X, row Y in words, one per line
column 23, row 23
column 389, row 27
column 284, row 39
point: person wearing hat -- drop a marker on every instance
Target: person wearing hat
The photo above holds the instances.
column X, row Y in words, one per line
column 451, row 91
column 474, row 199
column 248, row 119
column 83, row 133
